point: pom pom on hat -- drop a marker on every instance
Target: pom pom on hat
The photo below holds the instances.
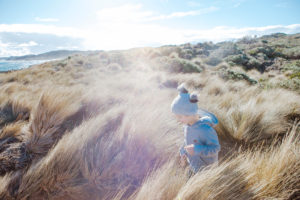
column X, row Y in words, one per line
column 182, row 89
column 185, row 103
column 193, row 97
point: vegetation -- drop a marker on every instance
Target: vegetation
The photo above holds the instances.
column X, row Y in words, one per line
column 99, row 126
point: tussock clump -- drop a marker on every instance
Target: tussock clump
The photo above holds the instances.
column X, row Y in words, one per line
column 13, row 130
column 13, row 155
column 94, row 161
column 164, row 183
column 46, row 125
column 13, row 111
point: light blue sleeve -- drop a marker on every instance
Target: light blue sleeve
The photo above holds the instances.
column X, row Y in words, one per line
column 211, row 144
column 182, row 151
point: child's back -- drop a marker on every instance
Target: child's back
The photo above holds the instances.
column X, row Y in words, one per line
column 206, row 144
column 201, row 144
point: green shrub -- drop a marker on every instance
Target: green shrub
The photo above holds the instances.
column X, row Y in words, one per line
column 295, row 75
column 213, row 60
column 187, row 54
column 247, row 40
column 207, row 46
column 292, row 53
column 266, row 50
column 233, row 75
column 168, row 50
column 226, row 49
column 176, row 65
column 291, row 84
column 292, row 66
column 240, row 59
column 254, row 63
column 257, row 63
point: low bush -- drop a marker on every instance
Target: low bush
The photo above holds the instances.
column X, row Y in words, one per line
column 233, row 75
column 176, row 65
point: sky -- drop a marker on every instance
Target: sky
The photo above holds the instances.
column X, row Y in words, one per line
column 38, row 26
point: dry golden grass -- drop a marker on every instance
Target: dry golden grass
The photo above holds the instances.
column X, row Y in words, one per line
column 82, row 132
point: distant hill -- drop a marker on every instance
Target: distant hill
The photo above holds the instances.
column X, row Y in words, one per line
column 48, row 55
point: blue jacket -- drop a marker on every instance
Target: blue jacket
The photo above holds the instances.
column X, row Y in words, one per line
column 205, row 140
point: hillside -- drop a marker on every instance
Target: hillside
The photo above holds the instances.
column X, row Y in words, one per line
column 99, row 126
column 47, row 56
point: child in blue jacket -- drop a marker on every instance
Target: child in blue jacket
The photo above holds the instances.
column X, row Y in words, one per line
column 201, row 145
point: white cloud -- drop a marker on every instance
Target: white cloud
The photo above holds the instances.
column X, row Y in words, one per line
column 42, row 29
column 129, row 35
column 130, row 26
column 9, row 49
column 29, row 44
column 218, row 34
column 183, row 14
column 133, row 13
column 123, row 36
column 46, row 19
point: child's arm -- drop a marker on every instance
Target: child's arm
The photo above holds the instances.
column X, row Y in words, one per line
column 183, row 155
column 182, row 151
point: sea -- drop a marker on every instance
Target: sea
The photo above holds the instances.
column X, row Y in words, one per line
column 16, row 65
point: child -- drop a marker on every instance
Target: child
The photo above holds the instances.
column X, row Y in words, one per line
column 201, row 145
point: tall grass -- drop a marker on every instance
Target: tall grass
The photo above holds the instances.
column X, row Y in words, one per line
column 111, row 135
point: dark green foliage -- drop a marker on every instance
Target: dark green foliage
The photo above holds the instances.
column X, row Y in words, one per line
column 187, row 54
column 176, row 65
column 274, row 35
column 253, row 62
column 259, row 62
column 62, row 64
column 207, row 46
column 233, row 75
column 240, row 59
column 295, row 75
column 266, row 50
